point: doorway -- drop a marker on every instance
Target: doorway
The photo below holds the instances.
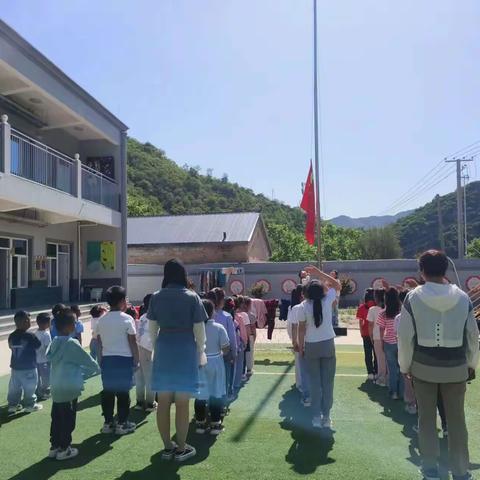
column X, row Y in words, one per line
column 58, row 268
column 4, row 278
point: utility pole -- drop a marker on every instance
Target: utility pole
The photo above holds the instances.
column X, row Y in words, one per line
column 465, row 178
column 441, row 236
column 460, row 218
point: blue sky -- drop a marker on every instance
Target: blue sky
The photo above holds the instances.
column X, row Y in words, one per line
column 227, row 85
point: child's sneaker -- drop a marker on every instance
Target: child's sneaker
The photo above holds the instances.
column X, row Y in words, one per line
column 216, row 428
column 430, row 474
column 138, row 406
column 34, row 408
column 151, row 407
column 306, row 402
column 467, row 476
column 14, row 409
column 125, row 428
column 66, row 454
column 445, row 433
column 327, row 423
column 169, row 454
column 188, row 452
column 107, row 428
column 371, row 377
column 411, row 409
column 53, row 452
column 201, row 428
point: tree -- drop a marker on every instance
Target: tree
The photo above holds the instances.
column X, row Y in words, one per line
column 380, row 243
column 473, row 248
column 288, row 245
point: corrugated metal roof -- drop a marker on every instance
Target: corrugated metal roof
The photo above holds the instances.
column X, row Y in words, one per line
column 239, row 227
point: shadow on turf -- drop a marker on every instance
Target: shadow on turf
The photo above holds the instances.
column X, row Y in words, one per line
column 394, row 409
column 267, row 362
column 311, row 447
column 168, row 470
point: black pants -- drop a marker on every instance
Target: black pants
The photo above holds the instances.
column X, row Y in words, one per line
column 270, row 327
column 215, row 407
column 370, row 357
column 108, row 405
column 64, row 416
column 441, row 411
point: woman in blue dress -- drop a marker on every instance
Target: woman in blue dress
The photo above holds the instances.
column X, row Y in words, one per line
column 177, row 327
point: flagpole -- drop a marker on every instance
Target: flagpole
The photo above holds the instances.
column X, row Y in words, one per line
column 315, row 128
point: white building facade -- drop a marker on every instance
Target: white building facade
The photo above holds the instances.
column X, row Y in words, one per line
column 62, row 184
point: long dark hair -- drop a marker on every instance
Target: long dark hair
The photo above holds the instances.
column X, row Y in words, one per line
column 217, row 296
column 315, row 292
column 392, row 303
column 296, row 295
column 174, row 272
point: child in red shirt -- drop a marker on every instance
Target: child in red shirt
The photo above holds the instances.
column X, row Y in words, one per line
column 362, row 313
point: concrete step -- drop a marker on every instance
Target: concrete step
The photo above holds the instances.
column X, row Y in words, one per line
column 7, row 325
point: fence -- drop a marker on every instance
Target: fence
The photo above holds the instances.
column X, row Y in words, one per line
column 98, row 188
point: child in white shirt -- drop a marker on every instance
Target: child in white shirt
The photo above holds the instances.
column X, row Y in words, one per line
column 43, row 365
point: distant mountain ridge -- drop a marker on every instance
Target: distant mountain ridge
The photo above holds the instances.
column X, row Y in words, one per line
column 368, row 222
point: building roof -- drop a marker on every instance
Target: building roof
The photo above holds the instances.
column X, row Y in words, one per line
column 188, row 229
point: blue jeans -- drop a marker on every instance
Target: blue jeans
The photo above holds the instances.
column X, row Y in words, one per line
column 94, row 348
column 22, row 381
column 395, row 378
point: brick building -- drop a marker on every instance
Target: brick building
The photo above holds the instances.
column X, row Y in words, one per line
column 197, row 239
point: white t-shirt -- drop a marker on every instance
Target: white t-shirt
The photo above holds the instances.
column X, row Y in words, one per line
column 144, row 338
column 292, row 318
column 325, row 331
column 45, row 340
column 113, row 329
column 93, row 326
column 372, row 317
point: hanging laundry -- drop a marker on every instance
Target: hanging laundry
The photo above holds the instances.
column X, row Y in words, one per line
column 284, row 305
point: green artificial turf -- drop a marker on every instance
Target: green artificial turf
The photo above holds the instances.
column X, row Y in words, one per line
column 268, row 435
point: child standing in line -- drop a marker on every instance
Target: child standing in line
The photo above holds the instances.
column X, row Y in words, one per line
column 143, row 376
column 56, row 311
column 212, row 376
column 243, row 321
column 79, row 329
column 69, row 361
column 387, row 323
column 118, row 353
column 217, row 296
column 374, row 330
column 43, row 365
column 250, row 353
column 368, row 349
column 24, row 376
column 96, row 312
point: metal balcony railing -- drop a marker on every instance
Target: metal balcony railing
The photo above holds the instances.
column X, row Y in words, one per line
column 99, row 188
column 40, row 163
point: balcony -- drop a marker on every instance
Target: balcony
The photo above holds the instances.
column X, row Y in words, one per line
column 36, row 162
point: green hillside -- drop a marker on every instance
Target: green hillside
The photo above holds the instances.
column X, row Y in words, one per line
column 420, row 230
column 157, row 185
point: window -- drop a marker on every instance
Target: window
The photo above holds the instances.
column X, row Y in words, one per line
column 4, row 242
column 54, row 250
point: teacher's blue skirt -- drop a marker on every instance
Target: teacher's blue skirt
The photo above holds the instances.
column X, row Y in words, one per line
column 175, row 363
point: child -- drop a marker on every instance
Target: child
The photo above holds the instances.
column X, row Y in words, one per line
column 250, row 353
column 374, row 331
column 242, row 320
column 56, row 310
column 43, row 365
column 387, row 323
column 143, row 376
column 118, row 353
column 78, row 324
column 212, row 375
column 96, row 312
column 217, row 296
column 368, row 349
column 69, row 361
column 23, row 363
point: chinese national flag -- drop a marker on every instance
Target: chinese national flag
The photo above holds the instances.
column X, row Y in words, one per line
column 308, row 206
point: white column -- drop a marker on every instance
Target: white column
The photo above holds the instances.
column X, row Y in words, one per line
column 5, row 152
column 79, row 175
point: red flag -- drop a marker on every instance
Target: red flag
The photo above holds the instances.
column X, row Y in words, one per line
column 308, row 206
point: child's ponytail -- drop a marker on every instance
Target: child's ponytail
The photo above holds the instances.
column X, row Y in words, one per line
column 315, row 293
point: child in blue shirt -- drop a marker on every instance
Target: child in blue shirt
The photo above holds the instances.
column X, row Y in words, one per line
column 23, row 363
column 68, row 363
column 212, row 375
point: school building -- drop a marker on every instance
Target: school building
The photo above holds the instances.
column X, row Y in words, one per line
column 205, row 238
column 63, row 216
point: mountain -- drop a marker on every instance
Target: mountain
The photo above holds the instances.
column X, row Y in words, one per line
column 368, row 222
column 420, row 230
column 158, row 186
